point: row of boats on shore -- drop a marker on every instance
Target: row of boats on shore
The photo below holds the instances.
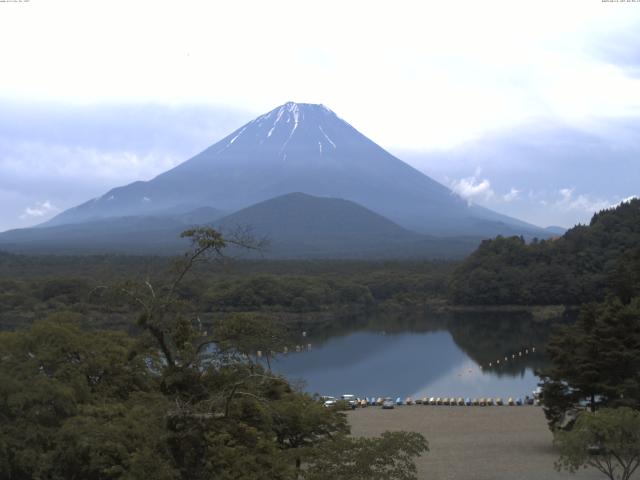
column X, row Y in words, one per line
column 388, row 402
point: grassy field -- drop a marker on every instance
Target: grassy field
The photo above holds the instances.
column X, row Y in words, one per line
column 474, row 443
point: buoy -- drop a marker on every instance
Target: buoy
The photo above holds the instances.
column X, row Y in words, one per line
column 489, row 364
column 533, row 349
column 497, row 362
column 506, row 359
column 259, row 352
column 519, row 354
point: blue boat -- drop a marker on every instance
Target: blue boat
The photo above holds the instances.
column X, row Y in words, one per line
column 467, row 401
column 398, row 401
column 372, row 401
column 518, row 401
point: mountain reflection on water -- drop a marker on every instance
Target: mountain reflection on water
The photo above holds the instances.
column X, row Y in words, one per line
column 422, row 356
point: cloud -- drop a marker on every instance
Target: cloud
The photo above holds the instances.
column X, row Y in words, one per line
column 39, row 210
column 477, row 81
column 512, row 195
column 586, row 203
column 624, row 200
column 67, row 154
column 471, row 188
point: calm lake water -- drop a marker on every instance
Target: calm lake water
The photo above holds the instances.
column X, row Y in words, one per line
column 446, row 361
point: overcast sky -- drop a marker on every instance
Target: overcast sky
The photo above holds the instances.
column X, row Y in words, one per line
column 530, row 108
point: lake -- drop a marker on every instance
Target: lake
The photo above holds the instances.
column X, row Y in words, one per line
column 450, row 359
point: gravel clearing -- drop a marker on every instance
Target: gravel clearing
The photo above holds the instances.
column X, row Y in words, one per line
column 475, row 443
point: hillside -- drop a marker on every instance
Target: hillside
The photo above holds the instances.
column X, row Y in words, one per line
column 583, row 265
column 295, row 225
column 142, row 234
column 303, row 226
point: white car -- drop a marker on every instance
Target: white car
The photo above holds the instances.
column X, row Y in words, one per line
column 351, row 400
column 328, row 401
column 388, row 403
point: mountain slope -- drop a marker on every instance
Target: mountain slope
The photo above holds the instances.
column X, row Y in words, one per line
column 132, row 234
column 296, row 226
column 302, row 148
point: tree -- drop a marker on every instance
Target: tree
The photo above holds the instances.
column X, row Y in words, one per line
column 607, row 440
column 595, row 361
column 250, row 333
column 74, row 404
column 87, row 404
column 300, row 423
column 390, row 456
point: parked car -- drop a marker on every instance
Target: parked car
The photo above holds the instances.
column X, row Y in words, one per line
column 388, row 403
column 351, row 400
column 328, row 401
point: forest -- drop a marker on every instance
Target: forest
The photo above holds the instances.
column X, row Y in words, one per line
column 32, row 287
column 79, row 400
column 585, row 264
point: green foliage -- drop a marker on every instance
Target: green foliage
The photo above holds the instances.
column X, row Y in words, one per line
column 594, row 361
column 608, row 440
column 33, row 287
column 583, row 265
column 391, row 456
column 298, row 294
column 81, row 403
column 250, row 333
column 58, row 382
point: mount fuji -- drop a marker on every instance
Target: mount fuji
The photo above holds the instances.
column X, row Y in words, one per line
column 297, row 147
column 306, row 148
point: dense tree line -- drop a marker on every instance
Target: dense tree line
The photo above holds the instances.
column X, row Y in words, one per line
column 583, row 265
column 293, row 288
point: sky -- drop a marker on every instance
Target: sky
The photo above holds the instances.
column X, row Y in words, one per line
column 529, row 108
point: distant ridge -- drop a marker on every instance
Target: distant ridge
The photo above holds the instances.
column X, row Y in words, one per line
column 142, row 234
column 296, row 225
